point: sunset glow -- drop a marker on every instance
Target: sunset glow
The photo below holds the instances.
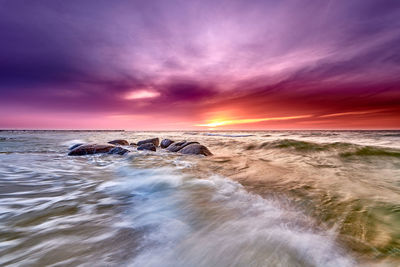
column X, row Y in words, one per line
column 216, row 123
column 213, row 64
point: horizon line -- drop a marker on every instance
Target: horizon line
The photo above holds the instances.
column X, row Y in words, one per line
column 189, row 130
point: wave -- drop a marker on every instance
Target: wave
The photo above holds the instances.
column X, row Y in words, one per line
column 72, row 142
column 298, row 145
column 372, row 151
column 229, row 135
column 6, row 138
column 392, row 135
column 218, row 134
column 344, row 149
column 319, row 134
column 216, row 222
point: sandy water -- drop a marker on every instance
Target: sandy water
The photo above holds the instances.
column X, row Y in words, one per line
column 277, row 198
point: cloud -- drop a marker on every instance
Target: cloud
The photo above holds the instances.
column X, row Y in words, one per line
column 141, row 94
column 262, row 59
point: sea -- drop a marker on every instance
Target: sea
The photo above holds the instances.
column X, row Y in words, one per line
column 265, row 198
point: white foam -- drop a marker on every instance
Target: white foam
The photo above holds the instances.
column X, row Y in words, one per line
column 73, row 142
column 216, row 222
column 143, row 181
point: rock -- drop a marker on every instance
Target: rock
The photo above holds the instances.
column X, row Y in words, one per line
column 119, row 142
column 196, row 149
column 74, row 146
column 133, row 144
column 175, row 147
column 147, row 146
column 154, row 141
column 90, row 149
column 118, row 150
column 166, row 143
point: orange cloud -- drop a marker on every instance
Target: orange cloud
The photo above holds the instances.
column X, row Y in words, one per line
column 351, row 113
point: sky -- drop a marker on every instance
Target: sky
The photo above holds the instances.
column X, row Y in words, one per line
column 200, row 65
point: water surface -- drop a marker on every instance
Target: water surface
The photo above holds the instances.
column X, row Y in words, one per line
column 273, row 198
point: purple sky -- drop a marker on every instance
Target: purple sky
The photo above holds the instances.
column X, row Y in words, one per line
column 183, row 64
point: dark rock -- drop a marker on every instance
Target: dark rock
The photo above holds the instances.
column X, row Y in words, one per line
column 90, row 149
column 119, row 142
column 74, row 146
column 133, row 144
column 154, row 141
column 196, row 149
column 147, row 146
column 166, row 143
column 175, row 147
column 118, row 150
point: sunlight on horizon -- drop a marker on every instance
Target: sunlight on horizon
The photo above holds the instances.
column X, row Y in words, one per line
column 220, row 122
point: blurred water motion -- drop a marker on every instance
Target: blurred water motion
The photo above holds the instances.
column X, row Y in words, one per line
column 294, row 198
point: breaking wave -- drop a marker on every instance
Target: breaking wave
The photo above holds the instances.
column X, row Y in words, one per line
column 343, row 149
column 216, row 222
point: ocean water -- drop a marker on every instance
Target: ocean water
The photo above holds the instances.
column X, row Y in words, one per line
column 266, row 198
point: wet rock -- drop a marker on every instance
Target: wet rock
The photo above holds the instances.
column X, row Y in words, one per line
column 90, row 149
column 119, row 142
column 154, row 141
column 74, row 146
column 147, row 146
column 133, row 144
column 118, row 150
column 166, row 143
column 196, row 149
column 175, row 147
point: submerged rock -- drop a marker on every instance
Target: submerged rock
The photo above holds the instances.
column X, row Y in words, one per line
column 74, row 146
column 196, row 149
column 147, row 146
column 154, row 141
column 118, row 150
column 166, row 143
column 119, row 142
column 90, row 149
column 175, row 147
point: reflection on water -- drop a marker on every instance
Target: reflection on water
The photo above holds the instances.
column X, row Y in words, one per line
column 301, row 198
